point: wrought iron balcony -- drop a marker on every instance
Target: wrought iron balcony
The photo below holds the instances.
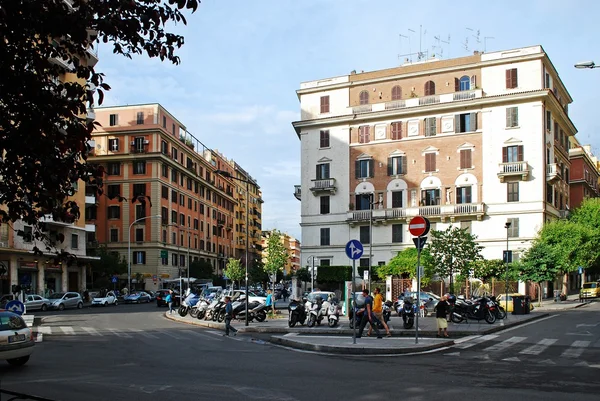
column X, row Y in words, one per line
column 553, row 173
column 365, row 108
column 438, row 212
column 298, row 192
column 323, row 185
column 512, row 169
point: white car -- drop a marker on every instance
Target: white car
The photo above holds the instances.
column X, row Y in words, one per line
column 252, row 296
column 109, row 299
column 16, row 339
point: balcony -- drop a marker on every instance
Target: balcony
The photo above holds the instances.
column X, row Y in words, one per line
column 395, row 104
column 49, row 220
column 92, row 55
column 466, row 95
column 91, row 115
column 364, row 108
column 512, row 169
column 323, row 185
column 439, row 212
column 298, row 192
column 425, row 100
column 220, row 222
column 553, row 173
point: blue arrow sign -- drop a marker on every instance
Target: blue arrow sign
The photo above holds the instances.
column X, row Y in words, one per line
column 15, row 307
column 114, row 279
column 354, row 249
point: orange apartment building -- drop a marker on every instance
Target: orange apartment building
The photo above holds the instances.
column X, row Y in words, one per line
column 174, row 204
column 583, row 182
column 293, row 248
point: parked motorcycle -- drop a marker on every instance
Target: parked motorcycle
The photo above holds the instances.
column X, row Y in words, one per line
column 318, row 311
column 199, row 310
column 333, row 314
column 297, row 312
column 256, row 310
column 355, row 319
column 500, row 312
column 481, row 309
column 408, row 311
column 187, row 304
column 210, row 310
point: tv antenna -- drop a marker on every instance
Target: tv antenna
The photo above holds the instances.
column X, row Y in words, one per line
column 438, row 45
column 409, row 51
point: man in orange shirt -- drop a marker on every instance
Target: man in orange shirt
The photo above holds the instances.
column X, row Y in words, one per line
column 378, row 312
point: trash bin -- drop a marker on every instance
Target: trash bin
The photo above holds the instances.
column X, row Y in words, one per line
column 527, row 305
column 518, row 305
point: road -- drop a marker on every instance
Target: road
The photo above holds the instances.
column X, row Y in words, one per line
column 133, row 352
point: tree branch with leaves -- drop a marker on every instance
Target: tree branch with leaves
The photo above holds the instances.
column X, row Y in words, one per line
column 234, row 270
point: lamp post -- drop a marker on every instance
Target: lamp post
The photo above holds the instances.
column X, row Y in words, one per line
column 157, row 216
column 371, row 204
column 227, row 174
column 507, row 226
column 312, row 273
column 586, row 64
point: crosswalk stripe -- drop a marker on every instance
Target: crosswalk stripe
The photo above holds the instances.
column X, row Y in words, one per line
column 67, row 330
column 92, row 331
column 204, row 336
column 44, row 330
column 143, row 333
column 576, row 349
column 119, row 333
column 475, row 341
column 175, row 336
column 538, row 348
column 504, row 344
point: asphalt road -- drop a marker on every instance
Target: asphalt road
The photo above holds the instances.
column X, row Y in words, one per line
column 133, row 352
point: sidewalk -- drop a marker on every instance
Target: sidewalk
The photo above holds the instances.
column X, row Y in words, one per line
column 572, row 302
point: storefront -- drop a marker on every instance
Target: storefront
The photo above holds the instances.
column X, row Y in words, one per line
column 27, row 276
column 52, row 279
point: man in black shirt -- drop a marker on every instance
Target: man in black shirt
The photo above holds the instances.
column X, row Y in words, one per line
column 368, row 316
column 441, row 310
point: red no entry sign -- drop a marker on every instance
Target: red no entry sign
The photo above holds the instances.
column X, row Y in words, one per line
column 419, row 226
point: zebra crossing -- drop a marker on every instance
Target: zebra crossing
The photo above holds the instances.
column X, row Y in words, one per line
column 126, row 333
column 584, row 353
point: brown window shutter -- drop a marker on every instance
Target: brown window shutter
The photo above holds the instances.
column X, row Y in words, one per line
column 520, row 153
column 427, row 162
column 427, row 88
column 456, row 84
column 505, row 155
column 514, row 81
column 469, row 158
column 404, row 165
column 508, row 78
column 433, row 162
column 396, row 93
column 324, row 104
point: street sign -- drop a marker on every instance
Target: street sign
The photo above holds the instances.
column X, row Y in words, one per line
column 366, row 275
column 421, row 271
column 15, row 307
column 419, row 226
column 507, row 256
column 420, row 242
column 164, row 254
column 114, row 279
column 154, row 278
column 580, row 270
column 354, row 249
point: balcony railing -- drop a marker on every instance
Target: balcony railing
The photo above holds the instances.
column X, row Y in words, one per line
column 323, row 185
column 298, row 192
column 513, row 169
column 553, row 172
column 433, row 99
column 465, row 95
column 441, row 212
column 364, row 108
column 395, row 104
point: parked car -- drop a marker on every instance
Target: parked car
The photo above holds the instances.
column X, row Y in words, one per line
column 590, row 290
column 161, row 295
column 251, row 295
column 16, row 339
column 152, row 295
column 501, row 299
column 109, row 299
column 63, row 300
column 137, row 298
column 36, row 302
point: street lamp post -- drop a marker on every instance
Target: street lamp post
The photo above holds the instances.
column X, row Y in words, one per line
column 228, row 175
column 312, row 273
column 158, row 216
column 507, row 226
column 371, row 204
column 586, row 64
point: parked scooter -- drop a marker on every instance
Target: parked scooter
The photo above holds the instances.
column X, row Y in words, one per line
column 187, row 304
column 409, row 309
column 199, row 310
column 333, row 314
column 481, row 309
column 256, row 310
column 297, row 312
column 210, row 310
column 500, row 312
column 318, row 311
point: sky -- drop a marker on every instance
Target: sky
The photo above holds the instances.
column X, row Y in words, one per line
column 243, row 61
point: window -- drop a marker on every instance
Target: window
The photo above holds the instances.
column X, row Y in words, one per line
column 549, row 193
column 113, row 144
column 174, row 175
column 140, row 211
column 189, row 184
column 114, row 212
column 182, row 260
column 429, row 88
column 430, row 126
column 511, row 78
column 547, row 81
column 139, row 189
column 139, row 167
column 466, row 159
column 164, row 192
column 430, row 197
column 324, row 262
column 397, row 199
column 325, row 240
column 164, row 260
column 165, row 170
column 430, row 159
column 181, row 200
column 174, row 259
column 396, row 93
column 512, row 191
column 364, row 168
column 548, row 120
column 324, row 143
column 557, row 137
column 189, row 203
column 139, row 235
column 324, row 201
column 512, row 154
column 396, row 165
column 465, row 122
column 363, row 201
column 174, row 216
column 324, row 104
column 174, row 153
column 322, row 171
column 114, row 235
column 164, row 122
column 113, row 169
column 462, row 84
column 365, row 236
column 113, row 190
column 512, row 117
column 396, row 130
column 74, row 241
column 196, row 224
column 164, row 148
column 139, row 257
column 174, row 196
column 513, row 230
column 181, row 219
column 363, row 262
column 140, row 117
column 164, row 214
column 364, row 134
column 364, row 97
column 463, row 194
column 397, row 233
column 114, row 120
column 27, row 233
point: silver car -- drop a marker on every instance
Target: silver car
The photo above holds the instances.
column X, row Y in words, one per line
column 36, row 302
column 62, row 300
column 16, row 339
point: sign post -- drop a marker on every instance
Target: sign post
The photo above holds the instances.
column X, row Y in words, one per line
column 419, row 227
column 354, row 250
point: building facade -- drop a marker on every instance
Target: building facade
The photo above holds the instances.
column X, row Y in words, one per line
column 292, row 246
column 473, row 142
column 584, row 177
column 162, row 198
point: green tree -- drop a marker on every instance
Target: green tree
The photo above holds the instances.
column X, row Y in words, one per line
column 45, row 131
column 488, row 269
column 109, row 264
column 276, row 256
column 303, row 274
column 538, row 264
column 201, row 269
column 257, row 274
column 234, row 270
column 405, row 263
column 453, row 251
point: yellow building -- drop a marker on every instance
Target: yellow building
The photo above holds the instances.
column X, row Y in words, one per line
column 293, row 250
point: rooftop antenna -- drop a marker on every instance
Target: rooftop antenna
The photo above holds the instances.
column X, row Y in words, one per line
column 485, row 38
column 439, row 45
column 406, row 37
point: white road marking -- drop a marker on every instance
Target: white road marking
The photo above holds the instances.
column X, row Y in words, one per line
column 175, row 336
column 290, row 335
column 547, row 362
column 520, row 326
column 576, row 349
column 91, row 331
column 201, row 335
column 143, row 333
column 540, row 347
column 119, row 333
column 67, row 330
column 475, row 341
column 44, row 329
column 512, row 359
column 504, row 344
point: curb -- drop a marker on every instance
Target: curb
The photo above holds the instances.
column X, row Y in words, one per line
column 360, row 350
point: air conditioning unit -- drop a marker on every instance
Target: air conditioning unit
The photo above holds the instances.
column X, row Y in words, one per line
column 133, row 142
column 146, row 142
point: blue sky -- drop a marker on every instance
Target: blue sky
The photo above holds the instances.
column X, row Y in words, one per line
column 243, row 60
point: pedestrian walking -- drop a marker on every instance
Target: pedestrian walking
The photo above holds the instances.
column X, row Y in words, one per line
column 378, row 312
column 368, row 316
column 228, row 317
column 169, row 301
column 441, row 310
column 269, row 301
